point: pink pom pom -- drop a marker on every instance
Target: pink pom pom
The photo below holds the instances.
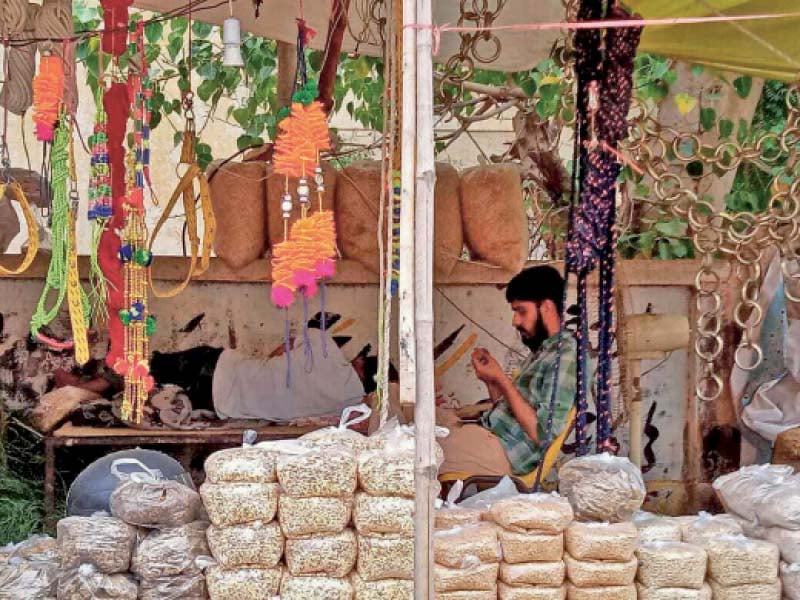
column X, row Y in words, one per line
column 282, row 296
column 309, row 291
column 304, row 278
column 45, row 133
column 326, row 268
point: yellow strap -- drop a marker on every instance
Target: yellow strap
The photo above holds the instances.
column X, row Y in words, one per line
column 75, row 298
column 32, row 225
column 185, row 191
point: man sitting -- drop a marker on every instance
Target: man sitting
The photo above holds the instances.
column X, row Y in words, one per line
column 509, row 438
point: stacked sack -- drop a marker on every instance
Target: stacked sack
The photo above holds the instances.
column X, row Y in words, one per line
column 765, row 500
column 169, row 557
column 241, row 497
column 95, row 555
column 600, row 560
column 29, row 570
column 740, row 568
column 467, row 561
column 531, row 535
column 671, row 570
column 657, row 528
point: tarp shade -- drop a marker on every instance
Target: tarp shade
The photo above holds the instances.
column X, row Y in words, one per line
column 768, row 48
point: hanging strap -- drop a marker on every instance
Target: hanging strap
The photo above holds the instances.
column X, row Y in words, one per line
column 17, row 194
column 201, row 254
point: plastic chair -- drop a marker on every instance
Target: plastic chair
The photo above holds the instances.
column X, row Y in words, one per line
column 526, row 484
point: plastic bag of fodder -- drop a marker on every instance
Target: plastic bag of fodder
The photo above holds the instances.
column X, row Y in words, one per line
column 171, row 552
column 671, row 565
column 37, row 548
column 87, row 583
column 462, row 547
column 788, row 542
column 383, row 514
column 235, row 503
column 300, row 517
column 530, row 547
column 790, row 581
column 322, row 555
column 387, row 589
column 740, row 490
column 544, row 513
column 513, row 592
column 707, row 526
column 601, row 541
column 655, row 528
column 750, row 591
column 467, row 595
column 542, row 574
column 385, row 557
column 659, row 593
column 780, row 505
column 449, row 514
column 248, row 464
column 182, row 587
column 342, row 435
column 307, row 472
column 318, row 588
column 602, row 487
column 255, row 544
column 736, row 560
column 473, row 578
column 28, row 580
column 616, row 592
column 105, row 542
column 144, row 499
column 593, row 573
column 247, row 583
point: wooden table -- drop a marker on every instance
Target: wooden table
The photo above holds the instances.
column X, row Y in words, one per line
column 69, row 436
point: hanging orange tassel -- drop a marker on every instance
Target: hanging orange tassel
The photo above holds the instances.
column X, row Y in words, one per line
column 303, row 135
column 48, row 89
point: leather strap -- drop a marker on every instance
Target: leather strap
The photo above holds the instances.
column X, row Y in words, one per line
column 30, row 222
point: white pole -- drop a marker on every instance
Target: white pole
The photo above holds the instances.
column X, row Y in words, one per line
column 424, row 413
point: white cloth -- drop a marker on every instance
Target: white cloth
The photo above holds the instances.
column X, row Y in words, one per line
column 250, row 388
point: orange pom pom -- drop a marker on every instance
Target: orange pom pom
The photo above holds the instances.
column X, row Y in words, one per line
column 48, row 88
column 303, row 135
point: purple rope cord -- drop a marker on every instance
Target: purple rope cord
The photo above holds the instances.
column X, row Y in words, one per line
column 307, row 352
column 287, row 348
column 323, row 319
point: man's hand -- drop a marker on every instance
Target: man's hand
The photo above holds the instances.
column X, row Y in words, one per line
column 487, row 369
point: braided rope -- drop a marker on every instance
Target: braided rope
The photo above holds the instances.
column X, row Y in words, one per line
column 13, row 17
column 17, row 92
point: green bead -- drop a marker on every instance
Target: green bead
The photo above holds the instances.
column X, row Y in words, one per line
column 143, row 257
column 150, row 326
column 125, row 317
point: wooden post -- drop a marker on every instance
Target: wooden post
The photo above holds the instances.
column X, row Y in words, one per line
column 287, row 72
column 424, row 414
column 636, row 425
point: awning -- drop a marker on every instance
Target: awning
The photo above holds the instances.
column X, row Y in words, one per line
column 765, row 48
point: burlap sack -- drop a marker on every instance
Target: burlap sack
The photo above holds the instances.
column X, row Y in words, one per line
column 357, row 201
column 276, row 187
column 238, row 196
column 495, row 224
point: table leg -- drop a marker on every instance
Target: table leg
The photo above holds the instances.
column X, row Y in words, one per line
column 49, row 485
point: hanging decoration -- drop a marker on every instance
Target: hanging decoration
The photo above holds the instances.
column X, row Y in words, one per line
column 307, row 255
column 48, row 91
column 604, row 67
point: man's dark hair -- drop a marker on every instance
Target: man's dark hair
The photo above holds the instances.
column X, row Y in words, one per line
column 537, row 284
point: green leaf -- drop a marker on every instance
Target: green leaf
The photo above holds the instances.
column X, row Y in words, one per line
column 670, row 77
column 174, row 45
column 725, row 128
column 697, row 70
column 248, row 141
column 742, row 134
column 201, row 30
column 207, row 89
column 743, row 85
column 179, row 25
column 664, row 250
column 672, row 228
column 153, row 31
column 678, row 248
column 708, row 117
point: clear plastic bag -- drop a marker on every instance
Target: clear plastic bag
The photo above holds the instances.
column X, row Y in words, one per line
column 37, row 548
column 779, row 506
column 171, row 552
column 475, row 578
column 657, row 593
column 182, row 587
column 247, row 583
column 604, row 573
column 601, row 541
column 602, row 487
column 615, row 592
column 656, row 528
column 462, row 547
column 87, row 583
column 342, row 435
column 450, row 515
column 28, row 580
column 467, row 595
column 326, row 472
column 318, row 588
column 105, row 542
column 544, row 513
column 752, row 591
column 387, row 589
column 484, row 500
column 735, row 560
column 707, row 526
column 322, row 555
column 383, row 514
column 671, row 565
column 236, row 503
column 385, row 557
column 790, row 581
column 512, row 592
column 530, row 547
column 143, row 499
column 739, row 491
column 254, row 544
column 787, row 540
column 540, row 574
column 241, row 465
column 387, row 473
column 307, row 516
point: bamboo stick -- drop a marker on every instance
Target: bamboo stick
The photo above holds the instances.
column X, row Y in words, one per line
column 424, row 413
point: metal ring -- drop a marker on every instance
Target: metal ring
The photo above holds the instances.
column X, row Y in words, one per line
column 708, row 355
column 718, row 387
column 759, row 356
column 755, row 309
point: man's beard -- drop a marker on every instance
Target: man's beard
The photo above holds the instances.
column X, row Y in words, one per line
column 534, row 340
